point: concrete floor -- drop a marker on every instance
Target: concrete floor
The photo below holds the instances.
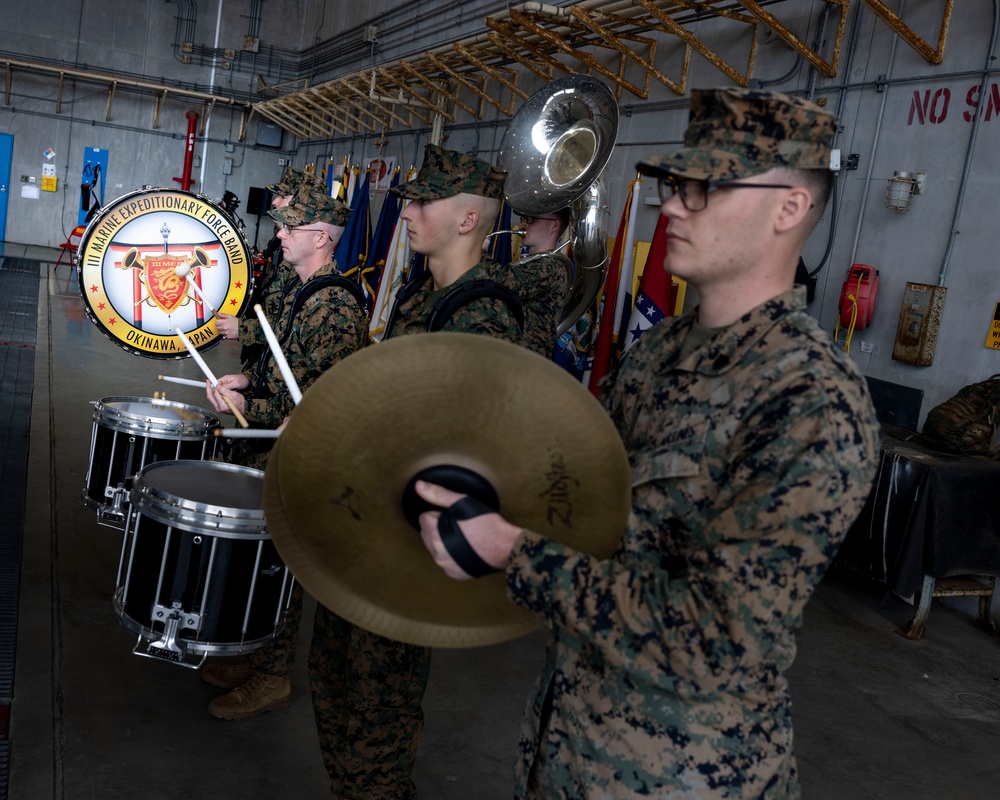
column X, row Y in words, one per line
column 876, row 715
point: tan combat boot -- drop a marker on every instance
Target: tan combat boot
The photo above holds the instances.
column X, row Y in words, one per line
column 226, row 674
column 259, row 694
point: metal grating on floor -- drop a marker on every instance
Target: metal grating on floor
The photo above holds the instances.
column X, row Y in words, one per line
column 11, row 264
column 978, row 701
column 18, row 317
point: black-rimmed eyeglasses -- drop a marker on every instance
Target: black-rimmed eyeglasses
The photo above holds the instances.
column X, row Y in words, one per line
column 532, row 220
column 694, row 193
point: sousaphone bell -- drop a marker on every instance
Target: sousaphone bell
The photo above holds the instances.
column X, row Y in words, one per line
column 554, row 151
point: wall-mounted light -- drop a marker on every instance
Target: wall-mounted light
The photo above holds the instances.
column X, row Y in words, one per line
column 902, row 186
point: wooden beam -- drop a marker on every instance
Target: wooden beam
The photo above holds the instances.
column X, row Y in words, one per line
column 828, row 68
column 479, row 90
column 930, row 54
column 404, row 87
column 507, row 30
column 503, row 76
column 572, row 49
column 438, row 89
column 384, row 108
column 740, row 78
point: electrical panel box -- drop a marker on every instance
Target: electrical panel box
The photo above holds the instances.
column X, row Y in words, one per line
column 268, row 134
column 919, row 321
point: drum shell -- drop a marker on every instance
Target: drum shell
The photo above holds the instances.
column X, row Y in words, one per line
column 196, row 541
column 130, row 433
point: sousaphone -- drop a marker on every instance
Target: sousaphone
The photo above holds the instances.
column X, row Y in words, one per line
column 554, row 151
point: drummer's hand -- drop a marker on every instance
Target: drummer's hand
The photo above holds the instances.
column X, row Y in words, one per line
column 230, row 386
column 490, row 535
column 227, row 324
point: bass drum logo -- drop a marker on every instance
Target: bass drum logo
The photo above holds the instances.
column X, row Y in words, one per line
column 138, row 260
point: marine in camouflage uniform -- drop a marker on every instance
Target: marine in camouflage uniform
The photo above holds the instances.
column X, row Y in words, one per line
column 280, row 278
column 489, row 316
column 751, row 456
column 542, row 284
column 753, row 445
column 541, row 280
column 368, row 689
column 329, row 326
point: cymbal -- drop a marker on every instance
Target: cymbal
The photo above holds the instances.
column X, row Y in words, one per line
column 336, row 479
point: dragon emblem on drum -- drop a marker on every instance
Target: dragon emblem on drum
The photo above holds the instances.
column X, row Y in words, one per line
column 166, row 276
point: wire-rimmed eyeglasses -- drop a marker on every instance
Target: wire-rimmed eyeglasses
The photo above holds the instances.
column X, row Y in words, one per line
column 297, row 229
column 694, row 193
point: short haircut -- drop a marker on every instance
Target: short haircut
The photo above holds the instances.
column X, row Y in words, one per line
column 488, row 207
column 818, row 181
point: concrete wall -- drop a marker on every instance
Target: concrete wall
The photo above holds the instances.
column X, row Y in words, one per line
column 139, row 38
column 898, row 112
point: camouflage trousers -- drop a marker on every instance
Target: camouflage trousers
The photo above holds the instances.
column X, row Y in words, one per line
column 367, row 692
column 278, row 658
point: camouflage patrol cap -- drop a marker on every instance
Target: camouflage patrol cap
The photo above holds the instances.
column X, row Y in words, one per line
column 735, row 133
column 311, row 205
column 292, row 180
column 446, row 173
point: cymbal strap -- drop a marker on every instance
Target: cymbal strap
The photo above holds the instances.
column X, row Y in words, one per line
column 454, row 540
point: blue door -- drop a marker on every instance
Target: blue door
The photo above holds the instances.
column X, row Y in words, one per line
column 6, row 149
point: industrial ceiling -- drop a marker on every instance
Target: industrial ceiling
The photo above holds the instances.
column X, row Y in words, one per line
column 630, row 43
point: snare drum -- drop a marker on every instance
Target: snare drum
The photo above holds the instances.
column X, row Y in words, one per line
column 131, row 432
column 198, row 572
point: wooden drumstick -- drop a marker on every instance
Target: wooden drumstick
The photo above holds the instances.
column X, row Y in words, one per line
column 211, row 377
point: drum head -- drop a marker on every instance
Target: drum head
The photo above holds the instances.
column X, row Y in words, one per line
column 131, row 254
column 144, row 415
column 204, row 496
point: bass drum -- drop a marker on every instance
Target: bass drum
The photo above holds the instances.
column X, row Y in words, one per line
column 138, row 258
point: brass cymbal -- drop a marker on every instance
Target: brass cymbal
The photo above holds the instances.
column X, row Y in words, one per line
column 336, row 477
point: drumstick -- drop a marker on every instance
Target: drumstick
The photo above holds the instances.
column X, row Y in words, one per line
column 247, row 433
column 182, row 381
column 279, row 357
column 208, row 374
column 181, row 271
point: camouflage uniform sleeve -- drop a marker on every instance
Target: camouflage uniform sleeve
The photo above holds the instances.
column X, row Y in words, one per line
column 329, row 327
column 543, row 302
column 250, row 331
column 704, row 616
column 489, row 316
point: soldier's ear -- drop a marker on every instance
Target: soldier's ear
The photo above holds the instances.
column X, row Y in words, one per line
column 470, row 219
column 795, row 208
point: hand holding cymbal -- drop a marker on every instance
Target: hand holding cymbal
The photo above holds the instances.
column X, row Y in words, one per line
column 499, row 422
column 491, row 538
